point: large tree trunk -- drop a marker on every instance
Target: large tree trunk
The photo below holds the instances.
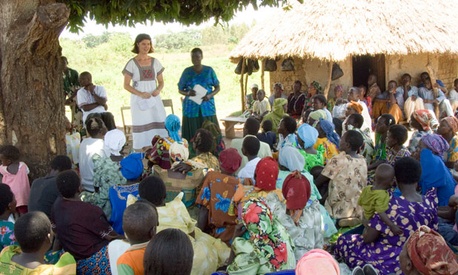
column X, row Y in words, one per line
column 31, row 95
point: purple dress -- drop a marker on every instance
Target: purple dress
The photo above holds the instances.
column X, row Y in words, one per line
column 383, row 254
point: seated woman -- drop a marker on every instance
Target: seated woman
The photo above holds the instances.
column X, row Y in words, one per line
column 378, row 245
column 435, row 174
column 425, row 252
column 307, row 137
column 343, row 179
column 106, row 172
column 218, row 141
column 448, row 129
column 355, row 122
column 328, row 138
column 209, row 253
column 269, row 247
column 420, row 121
column 34, row 235
column 278, row 111
column 202, row 143
column 159, row 153
column 215, row 196
column 324, row 227
column 82, row 228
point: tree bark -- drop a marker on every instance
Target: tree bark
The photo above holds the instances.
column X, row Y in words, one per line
column 32, row 111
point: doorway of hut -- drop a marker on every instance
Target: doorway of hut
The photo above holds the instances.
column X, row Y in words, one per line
column 364, row 65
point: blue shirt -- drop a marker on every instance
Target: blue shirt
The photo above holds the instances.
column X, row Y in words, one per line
column 207, row 79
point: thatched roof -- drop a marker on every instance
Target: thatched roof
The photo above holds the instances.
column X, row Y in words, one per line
column 335, row 29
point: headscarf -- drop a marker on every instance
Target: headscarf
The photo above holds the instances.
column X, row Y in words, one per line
column 266, row 174
column 436, row 143
column 423, row 117
column 317, row 262
column 316, row 115
column 230, row 160
column 356, row 106
column 264, row 232
column 452, row 122
column 218, row 140
column 308, row 134
column 328, row 128
column 291, row 158
column 114, row 140
column 179, row 151
column 338, row 88
column 172, row 124
column 296, row 190
column 317, row 86
column 429, row 253
column 132, row 166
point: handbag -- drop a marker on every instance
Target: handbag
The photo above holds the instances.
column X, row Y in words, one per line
column 270, row 65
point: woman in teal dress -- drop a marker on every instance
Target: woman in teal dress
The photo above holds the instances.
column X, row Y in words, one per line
column 192, row 77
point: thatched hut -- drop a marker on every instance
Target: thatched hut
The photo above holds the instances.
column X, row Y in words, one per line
column 383, row 37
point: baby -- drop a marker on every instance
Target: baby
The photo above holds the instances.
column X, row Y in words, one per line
column 375, row 198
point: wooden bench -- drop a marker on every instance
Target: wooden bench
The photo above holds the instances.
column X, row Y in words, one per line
column 229, row 123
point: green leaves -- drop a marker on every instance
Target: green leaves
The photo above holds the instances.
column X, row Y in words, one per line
column 129, row 12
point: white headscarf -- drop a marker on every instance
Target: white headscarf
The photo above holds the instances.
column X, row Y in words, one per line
column 114, row 141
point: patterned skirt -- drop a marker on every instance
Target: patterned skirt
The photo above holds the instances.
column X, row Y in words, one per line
column 98, row 263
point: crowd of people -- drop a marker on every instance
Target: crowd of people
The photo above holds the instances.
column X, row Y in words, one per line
column 316, row 185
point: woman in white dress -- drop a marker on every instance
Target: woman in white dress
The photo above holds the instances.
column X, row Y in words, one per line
column 143, row 79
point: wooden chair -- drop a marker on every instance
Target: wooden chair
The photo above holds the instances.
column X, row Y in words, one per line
column 168, row 103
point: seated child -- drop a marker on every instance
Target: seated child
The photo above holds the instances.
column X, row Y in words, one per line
column 375, row 198
column 139, row 224
column 267, row 135
column 34, row 235
column 169, row 252
column 15, row 174
column 7, row 207
column 261, row 106
column 250, row 149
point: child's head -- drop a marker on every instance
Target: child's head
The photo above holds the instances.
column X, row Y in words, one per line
column 351, row 141
column 68, row 183
column 9, row 154
column 383, row 123
column 260, row 95
column 33, row 232
column 397, row 135
column 95, row 126
column 139, row 222
column 250, row 146
column 169, row 252
column 392, row 84
column 384, row 176
column 61, row 163
column 267, row 125
column 251, row 126
column 152, row 189
column 7, row 200
column 355, row 120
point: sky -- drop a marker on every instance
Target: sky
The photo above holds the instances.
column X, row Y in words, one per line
column 247, row 16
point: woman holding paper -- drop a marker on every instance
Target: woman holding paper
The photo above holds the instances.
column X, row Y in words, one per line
column 143, row 79
column 198, row 84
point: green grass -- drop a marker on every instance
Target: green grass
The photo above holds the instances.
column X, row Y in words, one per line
column 106, row 62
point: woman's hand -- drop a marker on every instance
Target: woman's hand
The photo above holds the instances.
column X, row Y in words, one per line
column 191, row 93
column 145, row 95
column 182, row 168
column 206, row 97
column 156, row 92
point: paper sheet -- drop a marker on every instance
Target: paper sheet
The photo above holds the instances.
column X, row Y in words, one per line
column 200, row 92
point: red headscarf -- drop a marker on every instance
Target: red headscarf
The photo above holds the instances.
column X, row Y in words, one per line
column 423, row 117
column 266, row 174
column 429, row 253
column 296, row 190
column 230, row 160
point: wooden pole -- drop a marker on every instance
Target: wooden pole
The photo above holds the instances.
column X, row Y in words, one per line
column 328, row 85
column 241, row 84
column 262, row 75
column 432, row 77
